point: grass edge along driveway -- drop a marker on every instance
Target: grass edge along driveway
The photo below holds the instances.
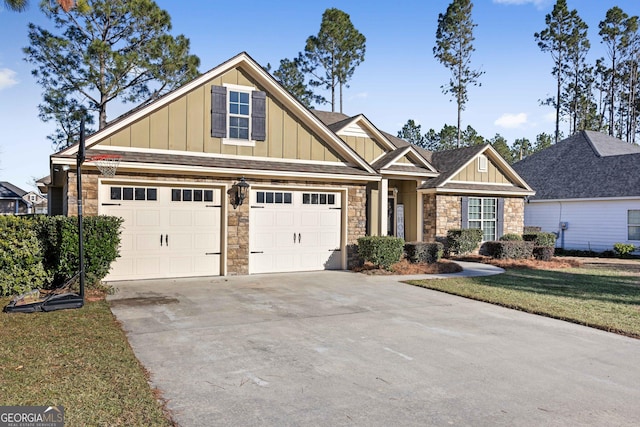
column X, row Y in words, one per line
column 603, row 299
column 79, row 359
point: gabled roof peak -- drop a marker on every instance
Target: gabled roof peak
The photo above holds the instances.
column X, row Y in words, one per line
column 605, row 145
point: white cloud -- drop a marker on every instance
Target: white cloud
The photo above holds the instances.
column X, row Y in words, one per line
column 540, row 4
column 511, row 121
column 360, row 95
column 7, row 78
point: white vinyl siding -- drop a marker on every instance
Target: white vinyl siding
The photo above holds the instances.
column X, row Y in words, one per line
column 592, row 224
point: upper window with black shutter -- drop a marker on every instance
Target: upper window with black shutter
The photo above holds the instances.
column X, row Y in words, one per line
column 238, row 114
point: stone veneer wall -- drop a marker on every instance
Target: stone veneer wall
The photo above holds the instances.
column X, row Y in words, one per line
column 442, row 213
column 514, row 215
column 237, row 219
column 356, row 222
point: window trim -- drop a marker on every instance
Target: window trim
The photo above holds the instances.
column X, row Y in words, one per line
column 236, row 141
column 630, row 224
column 483, row 163
column 482, row 219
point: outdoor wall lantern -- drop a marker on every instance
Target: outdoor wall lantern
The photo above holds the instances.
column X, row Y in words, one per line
column 239, row 192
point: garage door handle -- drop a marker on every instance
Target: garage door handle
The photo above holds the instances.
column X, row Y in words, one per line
column 161, row 240
column 294, row 237
column 166, row 240
column 299, row 238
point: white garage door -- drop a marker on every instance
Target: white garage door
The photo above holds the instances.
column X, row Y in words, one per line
column 294, row 231
column 167, row 231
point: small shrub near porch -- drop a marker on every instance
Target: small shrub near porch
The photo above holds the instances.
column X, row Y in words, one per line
column 463, row 241
column 427, row 252
column 382, row 251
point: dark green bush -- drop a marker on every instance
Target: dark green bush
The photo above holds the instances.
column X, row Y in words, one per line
column 531, row 229
column 382, row 251
column 59, row 237
column 429, row 252
column 541, row 239
column 21, row 267
column 508, row 249
column 543, row 253
column 623, row 249
column 511, row 237
column 463, row 241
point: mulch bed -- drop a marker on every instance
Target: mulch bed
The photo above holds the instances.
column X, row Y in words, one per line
column 405, row 267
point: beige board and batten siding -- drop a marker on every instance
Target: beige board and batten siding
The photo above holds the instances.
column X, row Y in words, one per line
column 185, row 125
column 366, row 147
column 471, row 173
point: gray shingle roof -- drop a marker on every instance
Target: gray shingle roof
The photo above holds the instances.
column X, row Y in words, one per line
column 449, row 161
column 10, row 191
column 585, row 165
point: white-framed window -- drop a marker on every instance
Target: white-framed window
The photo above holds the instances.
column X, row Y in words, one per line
column 483, row 214
column 239, row 114
column 32, row 197
column 483, row 163
column 633, row 224
column 318, row 199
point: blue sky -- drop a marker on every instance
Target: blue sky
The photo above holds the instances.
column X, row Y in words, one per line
column 399, row 79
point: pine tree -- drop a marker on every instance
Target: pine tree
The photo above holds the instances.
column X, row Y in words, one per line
column 107, row 50
column 332, row 56
column 454, row 46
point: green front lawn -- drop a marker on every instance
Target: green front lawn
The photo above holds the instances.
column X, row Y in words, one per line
column 604, row 299
column 79, row 359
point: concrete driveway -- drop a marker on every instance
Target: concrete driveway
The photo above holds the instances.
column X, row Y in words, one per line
column 340, row 348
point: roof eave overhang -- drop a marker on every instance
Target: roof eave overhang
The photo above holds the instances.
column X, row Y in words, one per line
column 496, row 192
column 163, row 169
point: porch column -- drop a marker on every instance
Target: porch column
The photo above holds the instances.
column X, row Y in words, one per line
column 383, row 198
column 419, row 215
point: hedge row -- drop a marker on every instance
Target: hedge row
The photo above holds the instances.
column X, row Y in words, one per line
column 428, row 252
column 509, row 249
column 42, row 252
column 384, row 251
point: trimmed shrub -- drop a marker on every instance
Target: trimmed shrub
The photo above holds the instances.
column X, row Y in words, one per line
column 541, row 239
column 59, row 237
column 623, row 249
column 510, row 237
column 543, row 253
column 531, row 229
column 509, row 249
column 463, row 241
column 21, row 267
column 382, row 251
column 429, row 252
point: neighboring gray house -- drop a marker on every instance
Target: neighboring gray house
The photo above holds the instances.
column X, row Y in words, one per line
column 587, row 190
column 12, row 200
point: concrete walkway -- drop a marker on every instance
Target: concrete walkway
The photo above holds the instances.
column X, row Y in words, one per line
column 344, row 349
column 469, row 269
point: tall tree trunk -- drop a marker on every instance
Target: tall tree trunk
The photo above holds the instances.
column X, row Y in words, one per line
column 612, row 94
column 340, row 97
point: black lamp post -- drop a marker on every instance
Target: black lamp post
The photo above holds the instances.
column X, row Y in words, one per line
column 79, row 160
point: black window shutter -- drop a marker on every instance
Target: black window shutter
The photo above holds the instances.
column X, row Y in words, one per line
column 258, row 115
column 465, row 212
column 500, row 218
column 218, row 111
